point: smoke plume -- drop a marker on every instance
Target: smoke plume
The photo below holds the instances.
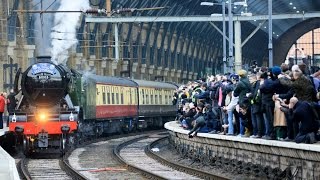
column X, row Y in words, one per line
column 63, row 34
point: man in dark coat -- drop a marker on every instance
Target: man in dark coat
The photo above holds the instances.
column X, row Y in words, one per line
column 268, row 88
column 243, row 87
column 303, row 114
column 245, row 117
column 11, row 104
column 212, row 119
column 198, row 122
column 203, row 96
column 256, row 112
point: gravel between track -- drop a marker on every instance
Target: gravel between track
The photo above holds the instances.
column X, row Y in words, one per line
column 96, row 161
column 134, row 154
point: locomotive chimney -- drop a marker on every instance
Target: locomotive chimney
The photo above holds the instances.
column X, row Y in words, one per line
column 41, row 59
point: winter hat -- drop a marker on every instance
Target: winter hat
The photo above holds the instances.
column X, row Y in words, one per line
column 276, row 70
column 295, row 68
column 235, row 77
column 242, row 73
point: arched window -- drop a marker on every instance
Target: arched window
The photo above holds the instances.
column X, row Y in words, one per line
column 306, row 49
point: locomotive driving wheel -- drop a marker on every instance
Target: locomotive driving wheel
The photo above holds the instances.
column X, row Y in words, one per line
column 63, row 144
column 26, row 146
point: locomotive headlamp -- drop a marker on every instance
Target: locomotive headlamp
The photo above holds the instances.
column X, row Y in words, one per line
column 14, row 118
column 42, row 116
column 71, row 117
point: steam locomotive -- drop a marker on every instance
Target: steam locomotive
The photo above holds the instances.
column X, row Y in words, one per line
column 58, row 106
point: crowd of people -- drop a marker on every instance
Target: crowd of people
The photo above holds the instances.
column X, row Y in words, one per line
column 7, row 102
column 278, row 103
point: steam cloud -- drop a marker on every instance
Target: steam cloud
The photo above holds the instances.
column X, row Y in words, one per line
column 63, row 34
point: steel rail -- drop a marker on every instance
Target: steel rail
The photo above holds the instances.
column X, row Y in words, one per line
column 177, row 166
column 116, row 152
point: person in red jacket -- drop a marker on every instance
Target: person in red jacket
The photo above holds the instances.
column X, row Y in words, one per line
column 2, row 105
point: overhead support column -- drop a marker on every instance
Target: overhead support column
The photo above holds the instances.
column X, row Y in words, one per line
column 270, row 33
column 116, row 42
column 224, row 40
column 238, row 48
column 231, row 58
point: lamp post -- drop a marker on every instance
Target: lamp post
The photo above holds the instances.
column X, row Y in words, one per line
column 231, row 31
column 231, row 61
column 224, row 41
column 270, row 33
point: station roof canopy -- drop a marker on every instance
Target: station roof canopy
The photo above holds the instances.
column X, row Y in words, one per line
column 205, row 30
column 254, row 7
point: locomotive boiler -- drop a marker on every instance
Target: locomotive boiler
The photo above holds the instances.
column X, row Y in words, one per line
column 45, row 116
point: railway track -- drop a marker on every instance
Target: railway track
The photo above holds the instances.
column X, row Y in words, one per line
column 51, row 166
column 47, row 169
column 136, row 155
column 196, row 172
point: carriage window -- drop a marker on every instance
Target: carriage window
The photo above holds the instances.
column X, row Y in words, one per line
column 104, row 97
column 143, row 96
column 122, row 99
column 165, row 99
column 108, row 98
column 156, row 99
column 117, row 98
column 134, row 96
column 130, row 97
column 160, row 99
column 151, row 96
column 147, row 99
column 112, row 97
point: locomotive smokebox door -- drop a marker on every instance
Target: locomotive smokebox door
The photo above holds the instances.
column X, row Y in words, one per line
column 43, row 139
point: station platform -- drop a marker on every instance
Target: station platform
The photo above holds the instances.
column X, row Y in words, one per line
column 175, row 127
column 2, row 131
column 8, row 169
column 304, row 159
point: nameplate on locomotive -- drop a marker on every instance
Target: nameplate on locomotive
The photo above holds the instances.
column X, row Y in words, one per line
column 43, row 68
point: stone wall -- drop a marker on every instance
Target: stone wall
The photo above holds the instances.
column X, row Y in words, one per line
column 301, row 162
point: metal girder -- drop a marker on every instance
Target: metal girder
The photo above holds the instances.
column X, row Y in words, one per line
column 91, row 19
column 252, row 33
column 217, row 28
